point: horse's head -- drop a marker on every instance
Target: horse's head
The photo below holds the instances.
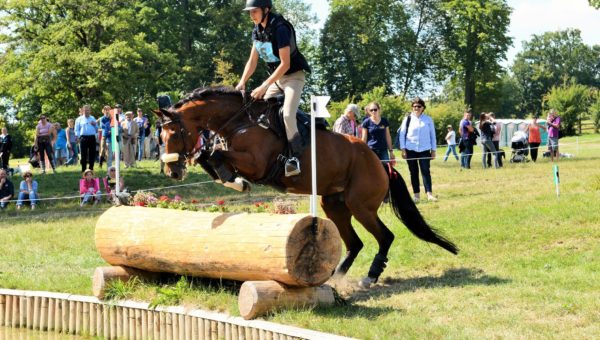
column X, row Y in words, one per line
column 179, row 137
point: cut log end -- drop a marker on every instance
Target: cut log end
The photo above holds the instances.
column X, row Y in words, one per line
column 313, row 254
column 104, row 275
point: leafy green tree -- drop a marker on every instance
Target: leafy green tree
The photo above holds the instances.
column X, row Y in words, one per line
column 549, row 60
column 354, row 55
column 595, row 3
column 572, row 103
column 62, row 54
column 474, row 41
column 595, row 111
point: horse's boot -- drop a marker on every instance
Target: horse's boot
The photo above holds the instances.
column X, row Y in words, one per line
column 238, row 184
column 292, row 165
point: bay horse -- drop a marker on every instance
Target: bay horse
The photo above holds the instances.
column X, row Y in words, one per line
column 350, row 178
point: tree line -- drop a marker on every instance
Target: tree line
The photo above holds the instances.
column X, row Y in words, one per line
column 58, row 55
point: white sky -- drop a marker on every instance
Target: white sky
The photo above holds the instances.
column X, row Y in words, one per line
column 531, row 17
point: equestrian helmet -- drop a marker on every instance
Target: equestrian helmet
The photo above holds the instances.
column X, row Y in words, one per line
column 252, row 4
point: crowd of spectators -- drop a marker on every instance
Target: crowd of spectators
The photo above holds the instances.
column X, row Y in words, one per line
column 89, row 140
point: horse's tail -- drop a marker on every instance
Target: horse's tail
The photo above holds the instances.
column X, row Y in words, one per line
column 406, row 210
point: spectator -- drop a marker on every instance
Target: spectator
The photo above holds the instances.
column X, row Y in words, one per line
column 72, row 143
column 119, row 113
column 466, row 132
column 110, row 183
column 149, row 140
column 60, row 146
column 346, row 123
column 496, row 142
column 142, row 123
column 7, row 190
column 535, row 138
column 130, row 134
column 28, row 191
column 376, row 133
column 105, row 139
column 160, row 147
column 5, row 148
column 451, row 141
column 418, row 145
column 44, row 138
column 86, row 129
column 553, row 122
column 487, row 126
column 89, row 188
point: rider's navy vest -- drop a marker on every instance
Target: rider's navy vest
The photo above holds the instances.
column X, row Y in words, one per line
column 268, row 36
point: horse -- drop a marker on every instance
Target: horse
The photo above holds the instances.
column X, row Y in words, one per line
column 350, row 178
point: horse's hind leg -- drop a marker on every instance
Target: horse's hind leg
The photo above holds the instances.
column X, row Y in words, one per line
column 338, row 212
column 369, row 219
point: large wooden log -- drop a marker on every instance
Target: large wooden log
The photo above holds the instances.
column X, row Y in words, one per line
column 244, row 247
column 257, row 298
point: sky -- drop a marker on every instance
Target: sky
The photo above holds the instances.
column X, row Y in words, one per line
column 530, row 17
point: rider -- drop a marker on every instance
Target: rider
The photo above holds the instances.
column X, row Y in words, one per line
column 274, row 40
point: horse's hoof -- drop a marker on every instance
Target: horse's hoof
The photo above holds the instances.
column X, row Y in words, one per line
column 367, row 282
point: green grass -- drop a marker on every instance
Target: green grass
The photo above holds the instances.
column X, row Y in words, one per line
column 528, row 266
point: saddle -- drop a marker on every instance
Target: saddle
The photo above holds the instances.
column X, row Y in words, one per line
column 272, row 119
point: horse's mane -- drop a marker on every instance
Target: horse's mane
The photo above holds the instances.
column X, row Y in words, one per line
column 205, row 92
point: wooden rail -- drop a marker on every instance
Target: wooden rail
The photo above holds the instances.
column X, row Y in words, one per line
column 88, row 316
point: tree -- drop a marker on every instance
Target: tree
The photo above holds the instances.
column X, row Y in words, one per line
column 62, row 54
column 549, row 60
column 595, row 3
column 354, row 55
column 474, row 41
column 572, row 102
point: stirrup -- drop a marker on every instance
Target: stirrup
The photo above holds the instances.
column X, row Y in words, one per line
column 292, row 167
column 263, row 121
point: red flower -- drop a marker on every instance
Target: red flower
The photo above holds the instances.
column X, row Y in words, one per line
column 195, row 201
column 164, row 198
column 140, row 204
column 220, row 202
column 257, row 204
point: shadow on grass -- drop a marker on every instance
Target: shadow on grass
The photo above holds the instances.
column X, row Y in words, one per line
column 457, row 277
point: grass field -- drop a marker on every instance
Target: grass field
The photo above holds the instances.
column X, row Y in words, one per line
column 529, row 264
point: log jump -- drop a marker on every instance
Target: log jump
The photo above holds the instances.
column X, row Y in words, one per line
column 286, row 251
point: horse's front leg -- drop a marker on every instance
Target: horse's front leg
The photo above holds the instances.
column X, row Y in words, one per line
column 223, row 163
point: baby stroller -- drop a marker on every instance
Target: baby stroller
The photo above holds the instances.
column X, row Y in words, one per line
column 520, row 147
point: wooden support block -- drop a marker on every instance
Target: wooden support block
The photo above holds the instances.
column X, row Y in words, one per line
column 104, row 275
column 259, row 297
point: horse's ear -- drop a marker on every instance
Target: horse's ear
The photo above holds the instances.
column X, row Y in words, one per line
column 158, row 114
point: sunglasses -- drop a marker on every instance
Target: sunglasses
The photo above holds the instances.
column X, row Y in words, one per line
column 373, row 110
column 417, row 106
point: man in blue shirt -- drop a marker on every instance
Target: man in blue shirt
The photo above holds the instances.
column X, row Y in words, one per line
column 86, row 129
column 142, row 123
column 465, row 130
column 105, row 141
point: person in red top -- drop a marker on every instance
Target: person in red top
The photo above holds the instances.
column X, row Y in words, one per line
column 534, row 138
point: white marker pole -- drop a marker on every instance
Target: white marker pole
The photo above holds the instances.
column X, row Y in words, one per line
column 317, row 109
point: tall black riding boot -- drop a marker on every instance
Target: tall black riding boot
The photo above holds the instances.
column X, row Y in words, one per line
column 292, row 165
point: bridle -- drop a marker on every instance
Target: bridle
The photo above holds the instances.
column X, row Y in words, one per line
column 188, row 155
column 180, row 157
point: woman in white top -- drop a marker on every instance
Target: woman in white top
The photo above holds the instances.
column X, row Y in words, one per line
column 418, row 145
column 451, row 140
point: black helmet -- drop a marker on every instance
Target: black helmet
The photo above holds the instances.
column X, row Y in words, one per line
column 252, row 4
